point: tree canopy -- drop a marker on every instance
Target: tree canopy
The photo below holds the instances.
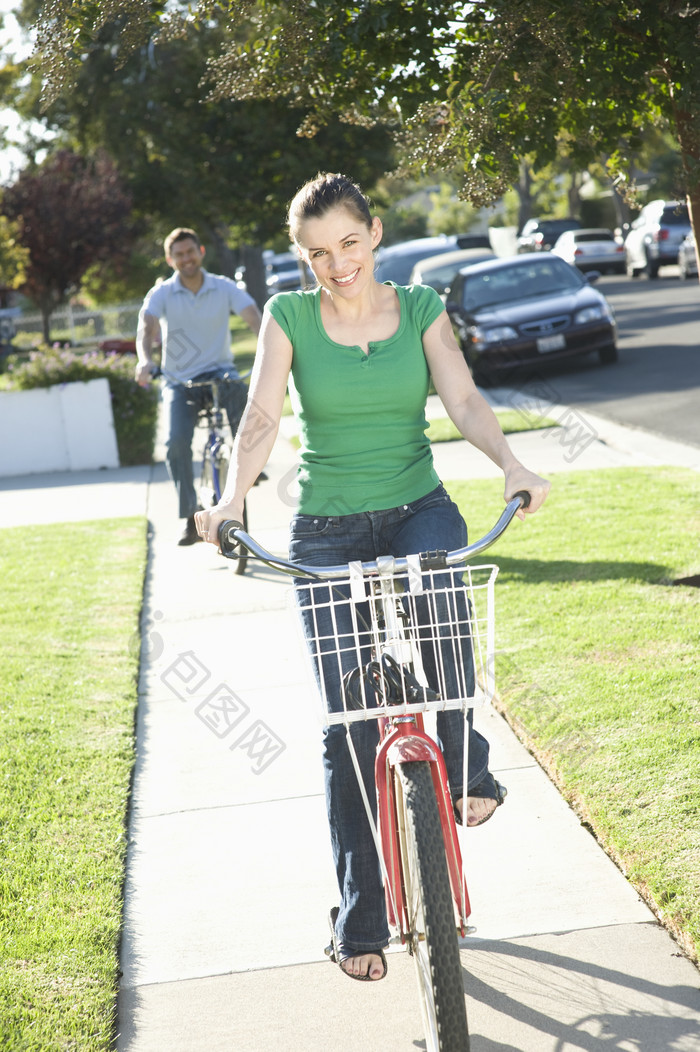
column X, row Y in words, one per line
column 478, row 86
column 224, row 167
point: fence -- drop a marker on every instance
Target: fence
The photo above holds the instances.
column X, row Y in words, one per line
column 80, row 325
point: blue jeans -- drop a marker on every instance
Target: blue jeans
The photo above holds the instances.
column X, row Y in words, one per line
column 182, row 407
column 431, row 522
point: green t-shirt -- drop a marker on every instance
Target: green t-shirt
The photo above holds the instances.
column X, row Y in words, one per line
column 362, row 416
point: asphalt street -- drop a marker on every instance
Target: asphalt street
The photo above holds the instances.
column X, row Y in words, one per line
column 655, row 385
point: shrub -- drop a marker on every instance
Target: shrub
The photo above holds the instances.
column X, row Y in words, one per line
column 134, row 408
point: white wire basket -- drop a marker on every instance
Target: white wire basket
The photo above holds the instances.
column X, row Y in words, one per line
column 394, row 644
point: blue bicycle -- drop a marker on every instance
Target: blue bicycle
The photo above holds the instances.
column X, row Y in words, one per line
column 216, row 454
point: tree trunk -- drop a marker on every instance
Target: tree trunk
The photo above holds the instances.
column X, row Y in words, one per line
column 574, row 194
column 689, row 141
column 255, row 273
column 46, row 324
column 226, row 257
column 524, row 189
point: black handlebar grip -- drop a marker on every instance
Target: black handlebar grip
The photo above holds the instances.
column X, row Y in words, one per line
column 524, row 496
column 227, row 546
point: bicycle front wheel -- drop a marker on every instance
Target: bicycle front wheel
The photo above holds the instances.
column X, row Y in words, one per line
column 432, row 937
column 214, row 473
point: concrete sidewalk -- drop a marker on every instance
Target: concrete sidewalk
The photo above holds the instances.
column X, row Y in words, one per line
column 229, row 870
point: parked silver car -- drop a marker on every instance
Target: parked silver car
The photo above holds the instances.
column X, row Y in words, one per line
column 687, row 258
column 655, row 237
column 591, row 249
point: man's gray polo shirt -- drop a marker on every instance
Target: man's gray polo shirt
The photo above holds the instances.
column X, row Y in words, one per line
column 195, row 326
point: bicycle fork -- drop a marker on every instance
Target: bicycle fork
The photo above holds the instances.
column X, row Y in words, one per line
column 405, row 741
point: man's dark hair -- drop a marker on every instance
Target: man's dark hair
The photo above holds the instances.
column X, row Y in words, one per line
column 180, row 233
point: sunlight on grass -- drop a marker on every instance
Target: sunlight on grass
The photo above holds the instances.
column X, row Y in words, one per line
column 597, row 663
column 511, row 420
column 71, row 602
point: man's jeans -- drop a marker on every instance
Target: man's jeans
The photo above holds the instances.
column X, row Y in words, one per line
column 432, row 522
column 182, row 407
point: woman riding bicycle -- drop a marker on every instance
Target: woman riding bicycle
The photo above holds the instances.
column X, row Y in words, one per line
column 361, row 356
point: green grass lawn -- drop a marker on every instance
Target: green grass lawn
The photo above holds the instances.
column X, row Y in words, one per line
column 441, row 429
column 71, row 597
column 597, row 665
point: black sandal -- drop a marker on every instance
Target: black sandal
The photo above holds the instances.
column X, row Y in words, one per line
column 338, row 953
column 484, row 791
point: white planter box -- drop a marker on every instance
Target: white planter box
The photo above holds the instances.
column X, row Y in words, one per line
column 68, row 427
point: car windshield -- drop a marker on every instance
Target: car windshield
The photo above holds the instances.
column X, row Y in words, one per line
column 542, row 277
column 594, row 235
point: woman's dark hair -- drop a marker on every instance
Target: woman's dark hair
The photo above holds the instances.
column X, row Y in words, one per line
column 321, row 194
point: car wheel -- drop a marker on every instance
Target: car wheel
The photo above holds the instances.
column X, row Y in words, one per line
column 608, row 355
column 480, row 376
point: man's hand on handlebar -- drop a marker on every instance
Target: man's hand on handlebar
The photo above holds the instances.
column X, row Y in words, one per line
column 144, row 373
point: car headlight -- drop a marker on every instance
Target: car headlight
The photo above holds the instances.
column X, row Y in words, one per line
column 495, row 335
column 597, row 313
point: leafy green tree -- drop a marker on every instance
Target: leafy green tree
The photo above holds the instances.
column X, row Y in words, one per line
column 482, row 85
column 227, row 168
column 14, row 258
column 70, row 214
column 449, row 215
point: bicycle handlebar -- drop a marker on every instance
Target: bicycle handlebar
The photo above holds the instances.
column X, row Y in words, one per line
column 231, row 534
column 225, row 378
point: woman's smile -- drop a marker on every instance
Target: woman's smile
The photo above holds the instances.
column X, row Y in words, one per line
column 347, row 279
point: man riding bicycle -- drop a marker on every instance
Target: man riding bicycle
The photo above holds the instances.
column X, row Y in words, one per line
column 192, row 309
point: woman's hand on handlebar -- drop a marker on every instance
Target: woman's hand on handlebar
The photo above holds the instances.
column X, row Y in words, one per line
column 519, row 478
column 208, row 521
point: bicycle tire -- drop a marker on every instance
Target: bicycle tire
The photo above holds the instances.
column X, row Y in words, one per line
column 213, row 476
column 432, row 926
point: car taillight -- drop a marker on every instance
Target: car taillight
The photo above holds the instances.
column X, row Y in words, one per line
column 661, row 234
column 539, row 238
column 578, row 252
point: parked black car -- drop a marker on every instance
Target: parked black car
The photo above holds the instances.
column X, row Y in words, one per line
column 540, row 235
column 526, row 311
